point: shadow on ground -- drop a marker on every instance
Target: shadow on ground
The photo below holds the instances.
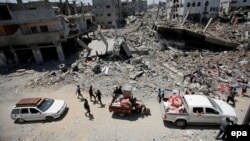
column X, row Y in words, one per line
column 133, row 117
column 168, row 124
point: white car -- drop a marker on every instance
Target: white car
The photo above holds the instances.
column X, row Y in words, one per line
column 199, row 109
column 31, row 109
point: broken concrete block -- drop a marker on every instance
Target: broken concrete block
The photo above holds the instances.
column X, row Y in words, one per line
column 135, row 75
column 126, row 50
column 96, row 68
column 74, row 66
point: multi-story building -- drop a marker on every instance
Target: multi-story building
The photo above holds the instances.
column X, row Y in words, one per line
column 227, row 5
column 199, row 10
column 107, row 11
column 133, row 7
column 37, row 30
column 139, row 6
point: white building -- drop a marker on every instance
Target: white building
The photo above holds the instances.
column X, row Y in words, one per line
column 199, row 10
column 107, row 11
column 227, row 5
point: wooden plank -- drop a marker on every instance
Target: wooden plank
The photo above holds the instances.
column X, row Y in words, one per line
column 28, row 101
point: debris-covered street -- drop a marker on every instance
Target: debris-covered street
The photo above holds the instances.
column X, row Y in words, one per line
column 147, row 53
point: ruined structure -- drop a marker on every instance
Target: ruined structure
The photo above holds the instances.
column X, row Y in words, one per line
column 198, row 11
column 133, row 7
column 36, row 29
column 107, row 12
column 227, row 5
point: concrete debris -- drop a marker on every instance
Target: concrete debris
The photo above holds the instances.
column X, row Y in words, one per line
column 135, row 75
column 150, row 61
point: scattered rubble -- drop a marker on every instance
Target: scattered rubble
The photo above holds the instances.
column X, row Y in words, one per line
column 152, row 62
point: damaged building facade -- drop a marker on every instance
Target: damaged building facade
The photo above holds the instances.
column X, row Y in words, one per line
column 133, row 7
column 35, row 29
column 228, row 5
column 198, row 11
column 107, row 12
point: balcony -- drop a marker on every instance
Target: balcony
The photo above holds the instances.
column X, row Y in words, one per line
column 27, row 39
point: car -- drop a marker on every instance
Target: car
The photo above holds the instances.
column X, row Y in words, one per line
column 32, row 109
column 198, row 109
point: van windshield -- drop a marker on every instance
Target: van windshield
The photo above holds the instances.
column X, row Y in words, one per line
column 215, row 105
column 45, row 104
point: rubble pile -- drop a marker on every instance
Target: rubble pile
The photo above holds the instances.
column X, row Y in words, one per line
column 223, row 31
column 168, row 68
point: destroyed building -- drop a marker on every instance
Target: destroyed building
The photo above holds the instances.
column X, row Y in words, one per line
column 37, row 30
column 228, row 5
column 107, row 12
column 133, row 7
column 198, row 11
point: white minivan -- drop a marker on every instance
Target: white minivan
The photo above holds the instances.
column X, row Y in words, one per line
column 31, row 109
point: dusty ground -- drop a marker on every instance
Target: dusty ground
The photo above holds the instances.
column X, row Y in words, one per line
column 76, row 126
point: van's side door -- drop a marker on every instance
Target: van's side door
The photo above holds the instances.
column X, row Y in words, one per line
column 24, row 114
column 197, row 115
column 35, row 114
column 213, row 116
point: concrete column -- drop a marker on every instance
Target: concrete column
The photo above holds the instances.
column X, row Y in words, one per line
column 60, row 52
column 37, row 54
column 3, row 59
column 14, row 54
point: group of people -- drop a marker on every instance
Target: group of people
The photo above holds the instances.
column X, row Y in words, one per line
column 91, row 94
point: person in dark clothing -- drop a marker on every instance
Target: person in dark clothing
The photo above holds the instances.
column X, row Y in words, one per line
column 98, row 95
column 222, row 133
column 160, row 94
column 116, row 92
column 244, row 88
column 91, row 93
column 86, row 107
column 78, row 92
column 232, row 95
column 120, row 90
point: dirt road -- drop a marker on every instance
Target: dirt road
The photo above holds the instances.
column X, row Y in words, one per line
column 75, row 126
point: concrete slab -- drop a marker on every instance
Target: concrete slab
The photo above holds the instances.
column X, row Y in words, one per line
column 100, row 47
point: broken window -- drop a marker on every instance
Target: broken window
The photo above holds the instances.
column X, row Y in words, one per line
column 211, row 9
column 211, row 111
column 197, row 110
column 109, row 22
column 206, row 4
column 244, row 0
column 193, row 4
column 199, row 4
column 33, row 29
column 188, row 4
column 4, row 13
column 109, row 14
column 44, row 28
column 107, row 6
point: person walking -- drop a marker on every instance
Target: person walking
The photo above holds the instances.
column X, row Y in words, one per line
column 244, row 87
column 86, row 107
column 98, row 95
column 78, row 92
column 232, row 95
column 222, row 133
column 91, row 93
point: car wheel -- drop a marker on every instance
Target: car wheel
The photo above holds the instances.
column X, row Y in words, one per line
column 181, row 123
column 20, row 120
column 49, row 118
